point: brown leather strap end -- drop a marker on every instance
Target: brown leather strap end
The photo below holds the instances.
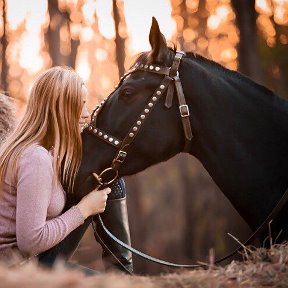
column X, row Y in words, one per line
column 169, row 96
column 187, row 128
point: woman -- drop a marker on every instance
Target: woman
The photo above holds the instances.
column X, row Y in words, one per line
column 31, row 161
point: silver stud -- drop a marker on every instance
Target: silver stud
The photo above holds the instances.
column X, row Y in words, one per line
column 151, row 67
column 131, row 134
column 100, row 133
column 157, row 68
column 141, row 66
column 138, row 122
column 105, row 136
column 116, row 142
column 146, row 110
column 142, row 116
column 146, row 66
column 111, row 139
column 135, row 128
column 95, row 131
column 158, row 92
column 150, row 104
column 154, row 98
column 162, row 86
column 90, row 127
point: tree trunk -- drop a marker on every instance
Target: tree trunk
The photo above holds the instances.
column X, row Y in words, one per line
column 184, row 14
column 53, row 35
column 4, row 43
column 249, row 59
column 73, row 54
column 57, row 20
column 119, row 41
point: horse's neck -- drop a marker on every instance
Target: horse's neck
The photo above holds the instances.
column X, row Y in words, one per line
column 237, row 137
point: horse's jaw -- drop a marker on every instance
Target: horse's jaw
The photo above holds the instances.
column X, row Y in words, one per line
column 144, row 161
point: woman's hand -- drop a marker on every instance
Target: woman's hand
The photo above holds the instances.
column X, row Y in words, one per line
column 94, row 202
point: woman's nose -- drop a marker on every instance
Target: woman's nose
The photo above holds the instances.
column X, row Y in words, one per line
column 85, row 114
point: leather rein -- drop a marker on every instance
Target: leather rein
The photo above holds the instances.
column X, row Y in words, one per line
column 171, row 79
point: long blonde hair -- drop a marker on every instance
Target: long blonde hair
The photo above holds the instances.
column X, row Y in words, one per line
column 51, row 119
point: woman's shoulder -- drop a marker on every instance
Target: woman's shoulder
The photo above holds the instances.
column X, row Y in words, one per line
column 35, row 151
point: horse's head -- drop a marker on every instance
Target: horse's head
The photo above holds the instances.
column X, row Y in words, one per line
column 136, row 122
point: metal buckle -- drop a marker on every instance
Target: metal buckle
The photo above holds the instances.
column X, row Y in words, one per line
column 121, row 156
column 184, row 110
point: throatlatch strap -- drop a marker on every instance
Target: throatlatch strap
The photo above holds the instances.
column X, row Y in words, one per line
column 184, row 110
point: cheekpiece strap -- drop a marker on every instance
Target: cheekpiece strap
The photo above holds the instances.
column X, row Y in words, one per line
column 173, row 73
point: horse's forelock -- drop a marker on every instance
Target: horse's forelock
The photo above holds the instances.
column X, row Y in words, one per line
column 146, row 57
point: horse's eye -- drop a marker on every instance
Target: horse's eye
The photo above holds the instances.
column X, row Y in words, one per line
column 126, row 93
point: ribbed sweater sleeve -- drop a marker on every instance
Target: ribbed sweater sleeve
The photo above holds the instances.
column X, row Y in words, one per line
column 34, row 233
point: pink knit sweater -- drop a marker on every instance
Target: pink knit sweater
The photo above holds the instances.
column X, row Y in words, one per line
column 30, row 206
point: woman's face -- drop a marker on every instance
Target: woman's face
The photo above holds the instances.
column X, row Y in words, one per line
column 84, row 114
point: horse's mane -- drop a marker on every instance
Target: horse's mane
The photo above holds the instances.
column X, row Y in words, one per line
column 145, row 58
column 216, row 67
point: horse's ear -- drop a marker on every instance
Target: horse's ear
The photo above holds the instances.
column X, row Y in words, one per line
column 157, row 42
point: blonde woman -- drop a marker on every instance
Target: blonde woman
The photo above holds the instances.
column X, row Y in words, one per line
column 31, row 161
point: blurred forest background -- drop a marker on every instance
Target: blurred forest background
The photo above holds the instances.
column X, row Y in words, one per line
column 176, row 211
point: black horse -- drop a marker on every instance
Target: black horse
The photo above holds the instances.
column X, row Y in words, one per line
column 240, row 132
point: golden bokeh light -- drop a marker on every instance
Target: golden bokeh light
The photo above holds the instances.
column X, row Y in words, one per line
column 213, row 22
column 105, row 20
column 207, row 28
column 281, row 14
column 29, row 45
column 267, row 28
column 192, row 5
column 138, row 16
column 264, row 7
column 83, row 67
column 88, row 11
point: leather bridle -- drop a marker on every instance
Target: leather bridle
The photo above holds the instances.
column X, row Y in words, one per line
column 171, row 79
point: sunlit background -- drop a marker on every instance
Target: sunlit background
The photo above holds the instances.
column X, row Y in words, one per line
column 99, row 38
column 212, row 33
